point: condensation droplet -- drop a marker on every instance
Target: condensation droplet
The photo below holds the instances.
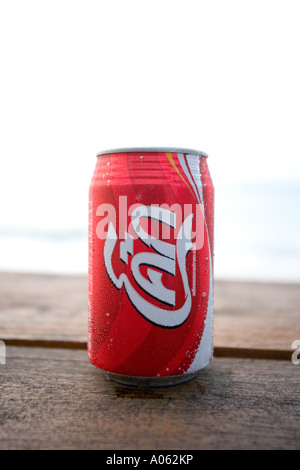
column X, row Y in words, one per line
column 107, row 314
column 151, row 187
column 138, row 198
column 108, row 164
column 108, row 182
column 204, row 294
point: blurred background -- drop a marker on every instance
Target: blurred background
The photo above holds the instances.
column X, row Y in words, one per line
column 79, row 77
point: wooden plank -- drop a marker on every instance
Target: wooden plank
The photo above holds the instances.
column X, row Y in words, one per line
column 53, row 309
column 257, row 315
column 34, row 306
column 54, row 399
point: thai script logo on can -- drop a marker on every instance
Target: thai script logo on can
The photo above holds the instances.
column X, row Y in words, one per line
column 2, row 353
column 162, row 258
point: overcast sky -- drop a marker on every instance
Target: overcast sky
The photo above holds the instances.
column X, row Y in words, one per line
column 81, row 76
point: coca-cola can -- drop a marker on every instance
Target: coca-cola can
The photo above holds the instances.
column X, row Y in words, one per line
column 151, row 223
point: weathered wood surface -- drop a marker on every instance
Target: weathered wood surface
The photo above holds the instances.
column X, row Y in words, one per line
column 35, row 306
column 257, row 315
column 54, row 399
column 249, row 316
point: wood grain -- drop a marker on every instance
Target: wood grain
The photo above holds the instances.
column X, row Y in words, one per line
column 257, row 315
column 54, row 399
column 34, row 306
column 52, row 310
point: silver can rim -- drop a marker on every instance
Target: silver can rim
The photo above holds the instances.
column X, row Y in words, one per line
column 153, row 149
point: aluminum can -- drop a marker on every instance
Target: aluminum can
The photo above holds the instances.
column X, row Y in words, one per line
column 151, row 223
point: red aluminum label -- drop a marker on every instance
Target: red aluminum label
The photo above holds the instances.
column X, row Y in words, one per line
column 150, row 273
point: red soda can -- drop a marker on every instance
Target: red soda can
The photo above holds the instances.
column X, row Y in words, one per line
column 151, row 223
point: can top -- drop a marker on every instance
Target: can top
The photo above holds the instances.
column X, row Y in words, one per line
column 154, row 149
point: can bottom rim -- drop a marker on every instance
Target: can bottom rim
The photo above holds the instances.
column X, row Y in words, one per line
column 144, row 382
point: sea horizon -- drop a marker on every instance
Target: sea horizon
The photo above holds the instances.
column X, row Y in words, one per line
column 257, row 237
